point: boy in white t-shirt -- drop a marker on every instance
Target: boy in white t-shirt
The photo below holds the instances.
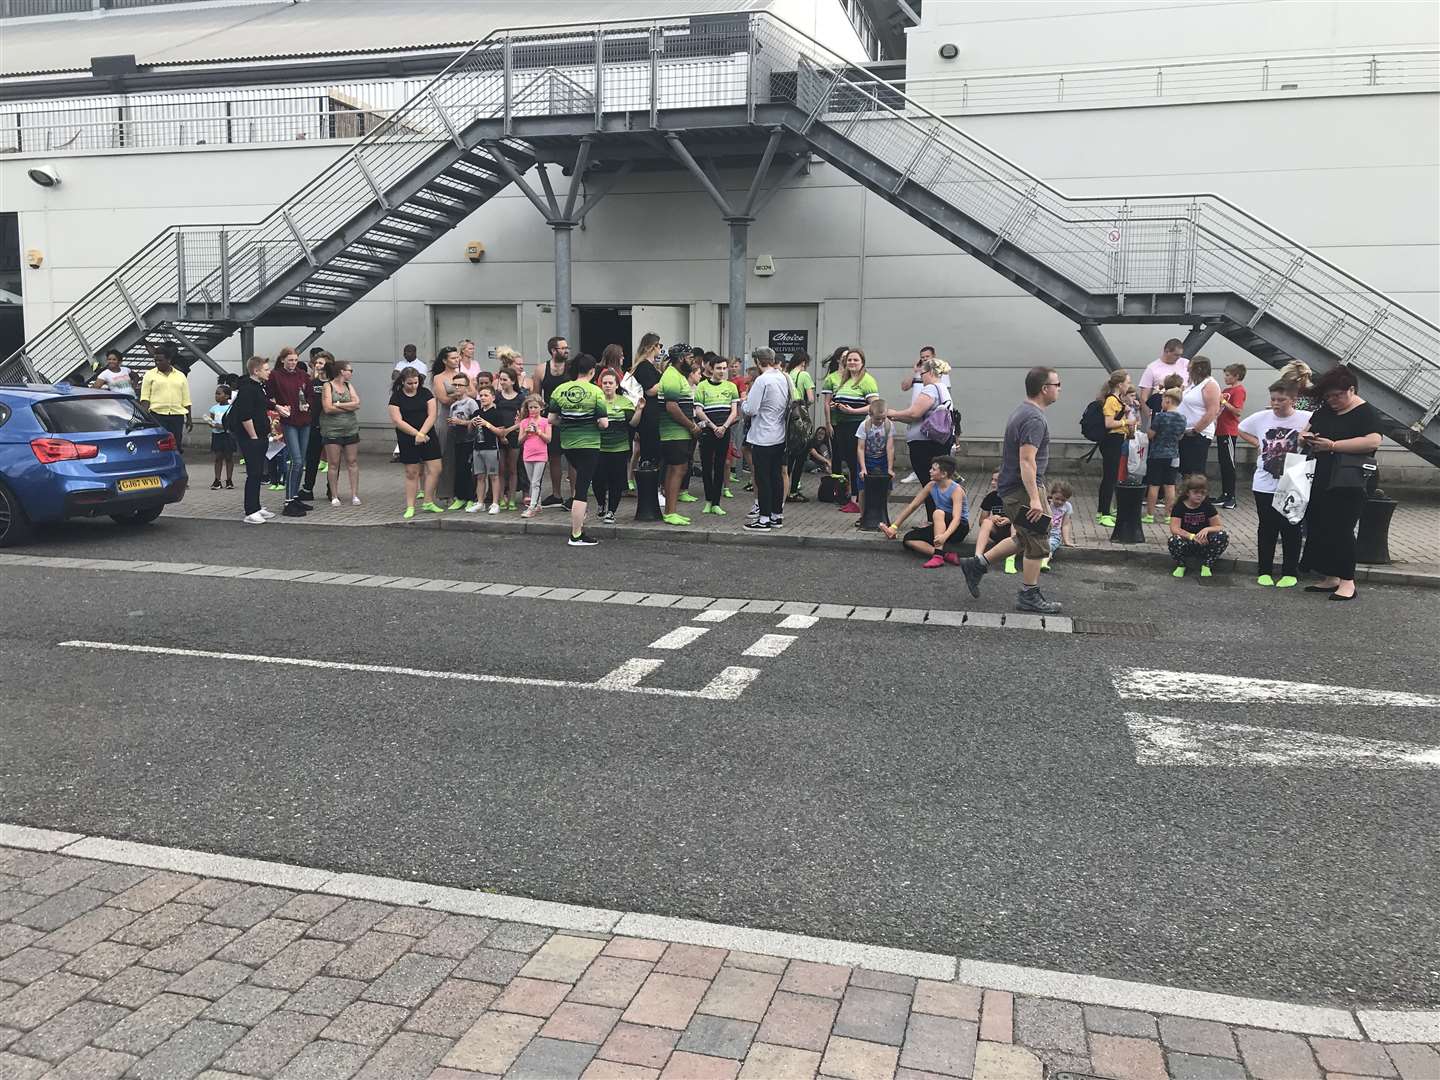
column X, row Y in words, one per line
column 1275, row 432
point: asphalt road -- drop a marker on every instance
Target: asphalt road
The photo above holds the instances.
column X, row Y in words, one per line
column 965, row 791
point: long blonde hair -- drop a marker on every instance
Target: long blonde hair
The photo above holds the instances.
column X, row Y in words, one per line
column 1111, row 386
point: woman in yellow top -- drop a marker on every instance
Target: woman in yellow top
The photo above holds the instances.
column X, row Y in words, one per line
column 1118, row 430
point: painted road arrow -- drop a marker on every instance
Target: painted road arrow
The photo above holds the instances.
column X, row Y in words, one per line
column 1168, row 740
column 1152, row 685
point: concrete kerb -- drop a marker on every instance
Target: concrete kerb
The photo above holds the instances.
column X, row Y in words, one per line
column 1378, row 1024
column 1092, row 556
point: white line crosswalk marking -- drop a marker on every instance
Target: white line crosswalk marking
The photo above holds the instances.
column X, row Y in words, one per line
column 680, row 637
column 1138, row 684
column 770, row 645
column 714, row 615
column 797, row 622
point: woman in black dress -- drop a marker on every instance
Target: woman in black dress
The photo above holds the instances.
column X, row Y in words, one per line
column 412, row 411
column 1343, row 428
column 507, row 403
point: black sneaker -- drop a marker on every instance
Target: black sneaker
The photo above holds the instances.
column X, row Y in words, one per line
column 1227, row 504
column 229, row 485
column 552, row 500
column 974, row 570
column 215, row 486
column 757, row 526
column 583, row 541
column 1033, row 600
column 777, row 522
column 307, row 494
column 609, row 518
column 294, row 509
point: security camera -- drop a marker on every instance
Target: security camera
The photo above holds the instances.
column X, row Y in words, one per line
column 44, row 175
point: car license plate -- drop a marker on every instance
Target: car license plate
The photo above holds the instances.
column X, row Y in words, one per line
column 140, row 483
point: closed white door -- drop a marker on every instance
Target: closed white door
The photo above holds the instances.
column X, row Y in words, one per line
column 488, row 325
column 670, row 321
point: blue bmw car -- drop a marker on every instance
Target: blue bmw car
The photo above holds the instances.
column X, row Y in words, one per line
column 68, row 452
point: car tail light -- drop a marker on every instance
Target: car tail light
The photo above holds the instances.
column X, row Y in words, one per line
column 49, row 451
column 167, row 442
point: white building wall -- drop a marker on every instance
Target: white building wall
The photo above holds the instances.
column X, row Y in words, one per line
column 1355, row 177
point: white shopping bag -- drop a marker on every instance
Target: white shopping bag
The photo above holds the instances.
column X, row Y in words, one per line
column 631, row 388
column 1292, row 491
column 1138, row 448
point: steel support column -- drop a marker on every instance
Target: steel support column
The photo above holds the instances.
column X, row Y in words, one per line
column 1196, row 339
column 1099, row 346
column 563, row 305
column 247, row 345
column 739, row 277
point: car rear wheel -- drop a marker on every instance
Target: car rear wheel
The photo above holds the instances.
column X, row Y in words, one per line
column 137, row 517
column 14, row 525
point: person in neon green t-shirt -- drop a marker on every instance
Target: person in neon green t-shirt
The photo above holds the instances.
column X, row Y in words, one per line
column 582, row 416
column 623, row 415
column 677, row 429
column 719, row 399
column 851, row 389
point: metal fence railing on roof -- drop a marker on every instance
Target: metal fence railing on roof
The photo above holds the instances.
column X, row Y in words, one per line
column 1113, row 248
column 1388, row 71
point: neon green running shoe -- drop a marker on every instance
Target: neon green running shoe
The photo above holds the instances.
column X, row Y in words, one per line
column 685, row 496
column 1205, row 571
column 675, row 519
column 1289, row 581
column 458, row 504
column 1179, row 571
column 433, row 508
column 726, row 493
column 1265, row 579
column 409, row 513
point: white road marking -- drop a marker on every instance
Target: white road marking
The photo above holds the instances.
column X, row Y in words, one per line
column 770, row 645
column 797, row 622
column 1168, row 740
column 679, row 637
column 704, row 605
column 727, row 686
column 1142, row 685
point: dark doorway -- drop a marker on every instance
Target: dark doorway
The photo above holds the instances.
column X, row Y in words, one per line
column 12, row 323
column 601, row 326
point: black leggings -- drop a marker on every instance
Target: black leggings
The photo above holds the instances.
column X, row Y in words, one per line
column 1194, row 453
column 796, row 464
column 611, row 478
column 1225, row 448
column 766, row 462
column 1112, row 449
column 314, row 450
column 847, row 454
column 253, row 451
column 1273, row 525
column 712, row 464
column 584, row 462
column 462, row 468
column 1330, row 524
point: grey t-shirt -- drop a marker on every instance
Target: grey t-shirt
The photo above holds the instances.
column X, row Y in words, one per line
column 1026, row 427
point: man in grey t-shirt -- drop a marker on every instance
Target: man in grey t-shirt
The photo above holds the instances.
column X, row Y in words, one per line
column 1024, row 457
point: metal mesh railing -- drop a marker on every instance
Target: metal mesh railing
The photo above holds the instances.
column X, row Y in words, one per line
column 1113, row 248
column 1209, row 80
column 1186, row 244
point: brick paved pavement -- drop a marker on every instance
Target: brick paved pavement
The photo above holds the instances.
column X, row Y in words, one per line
column 111, row 970
column 1414, row 532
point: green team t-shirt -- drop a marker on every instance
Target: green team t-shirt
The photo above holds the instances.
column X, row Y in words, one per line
column 800, row 382
column 716, row 399
column 616, row 438
column 851, row 393
column 674, row 387
column 579, row 405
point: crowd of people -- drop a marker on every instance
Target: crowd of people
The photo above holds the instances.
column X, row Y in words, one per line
column 578, row 429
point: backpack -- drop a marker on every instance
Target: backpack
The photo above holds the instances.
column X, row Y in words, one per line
column 798, row 429
column 1092, row 422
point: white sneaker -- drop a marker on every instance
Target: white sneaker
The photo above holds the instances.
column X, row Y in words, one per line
column 335, row 501
column 473, row 508
column 494, row 508
column 266, row 514
column 354, row 500
column 254, row 519
column 911, row 479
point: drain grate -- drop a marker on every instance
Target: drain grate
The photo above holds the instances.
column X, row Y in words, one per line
column 1140, row 631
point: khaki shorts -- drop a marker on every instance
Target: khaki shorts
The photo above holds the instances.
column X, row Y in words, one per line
column 1033, row 545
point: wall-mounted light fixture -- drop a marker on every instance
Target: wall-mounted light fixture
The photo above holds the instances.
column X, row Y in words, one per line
column 44, row 175
column 949, row 51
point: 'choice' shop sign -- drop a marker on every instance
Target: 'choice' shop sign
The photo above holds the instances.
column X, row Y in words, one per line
column 787, row 343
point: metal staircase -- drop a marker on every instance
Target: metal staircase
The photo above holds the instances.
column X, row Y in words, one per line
column 732, row 82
